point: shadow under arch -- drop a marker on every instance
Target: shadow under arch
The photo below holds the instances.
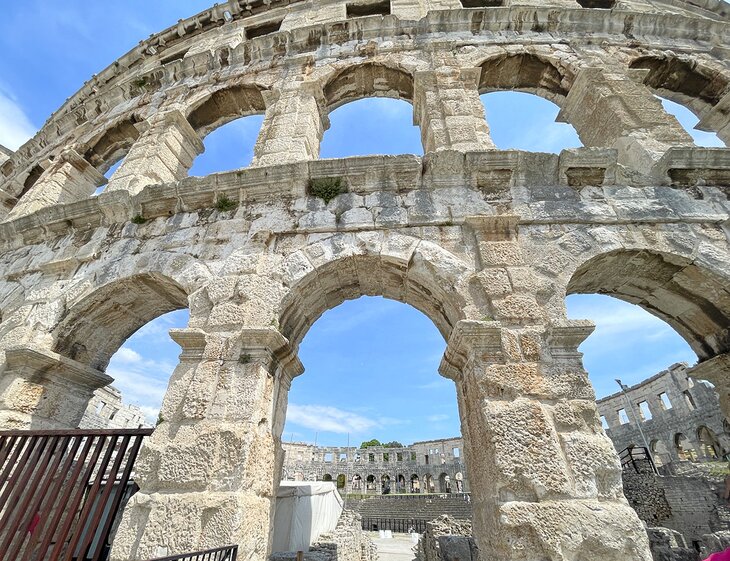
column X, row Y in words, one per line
column 94, row 328
column 526, row 72
column 113, row 144
column 692, row 299
column 683, row 82
column 412, row 280
column 369, row 79
column 225, row 105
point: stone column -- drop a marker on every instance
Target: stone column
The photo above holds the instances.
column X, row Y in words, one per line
column 716, row 370
column 69, row 178
column 609, row 109
column 208, row 475
column 293, row 126
column 547, row 479
column 42, row 390
column 162, row 154
column 718, row 119
column 447, row 107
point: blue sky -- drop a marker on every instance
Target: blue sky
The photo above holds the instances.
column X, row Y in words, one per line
column 371, row 363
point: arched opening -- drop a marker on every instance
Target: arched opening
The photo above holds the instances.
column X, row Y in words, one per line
column 666, row 313
column 709, row 445
column 685, row 449
column 415, row 484
column 522, row 95
column 689, row 122
column 385, row 484
column 370, row 113
column 401, row 485
column 326, row 477
column 94, row 328
column 444, row 483
column 357, row 484
column 524, row 121
column 371, row 485
column 341, row 481
column 687, row 83
column 428, row 486
column 228, row 121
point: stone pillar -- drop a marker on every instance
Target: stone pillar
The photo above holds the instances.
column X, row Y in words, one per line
column 69, row 178
column 162, row 154
column 293, row 125
column 447, row 107
column 208, row 475
column 716, row 370
column 42, row 390
column 718, row 119
column 609, row 109
column 548, row 479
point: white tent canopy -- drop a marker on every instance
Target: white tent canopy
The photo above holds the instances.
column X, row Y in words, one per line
column 304, row 510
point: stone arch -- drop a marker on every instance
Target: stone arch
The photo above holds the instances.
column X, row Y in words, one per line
column 356, row 483
column 420, row 274
column 400, row 483
column 444, row 483
column 660, row 453
column 526, row 72
column 428, row 484
column 683, row 81
column 113, row 143
column 685, row 448
column 94, row 327
column 369, row 79
column 341, row 481
column 385, row 484
column 691, row 297
column 327, row 477
column 709, row 444
column 415, row 484
column 225, row 105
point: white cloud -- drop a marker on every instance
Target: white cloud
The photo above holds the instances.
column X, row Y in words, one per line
column 128, row 356
column 437, row 418
column 329, row 419
column 15, row 126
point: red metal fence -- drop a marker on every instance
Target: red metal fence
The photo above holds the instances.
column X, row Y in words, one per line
column 61, row 491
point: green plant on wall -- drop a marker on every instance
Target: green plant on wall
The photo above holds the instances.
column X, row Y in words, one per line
column 138, row 219
column 225, row 204
column 327, row 188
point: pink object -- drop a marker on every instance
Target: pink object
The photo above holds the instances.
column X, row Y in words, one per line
column 721, row 556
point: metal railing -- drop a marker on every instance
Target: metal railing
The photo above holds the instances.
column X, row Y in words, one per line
column 228, row 553
column 61, row 492
column 398, row 525
column 637, row 458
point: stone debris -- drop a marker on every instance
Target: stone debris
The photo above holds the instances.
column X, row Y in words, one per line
column 447, row 539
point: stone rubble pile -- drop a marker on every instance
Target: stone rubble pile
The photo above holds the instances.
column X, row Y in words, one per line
column 447, row 539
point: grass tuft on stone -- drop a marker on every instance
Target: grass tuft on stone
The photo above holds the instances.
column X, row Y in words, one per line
column 225, row 204
column 327, row 188
column 138, row 219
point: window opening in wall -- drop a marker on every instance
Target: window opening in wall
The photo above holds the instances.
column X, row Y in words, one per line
column 368, row 8
column 664, row 401
column 644, row 411
column 328, row 457
column 263, row 29
column 228, row 147
column 399, row 456
column 371, row 458
column 425, row 458
column 623, row 418
column 604, row 423
column 689, row 121
column 689, row 400
column 457, row 453
column 371, row 126
column 100, row 407
column 343, row 457
column 600, row 4
column 525, row 121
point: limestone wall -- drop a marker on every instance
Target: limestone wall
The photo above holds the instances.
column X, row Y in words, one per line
column 447, row 539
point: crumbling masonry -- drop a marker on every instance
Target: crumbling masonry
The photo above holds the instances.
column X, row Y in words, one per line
column 486, row 243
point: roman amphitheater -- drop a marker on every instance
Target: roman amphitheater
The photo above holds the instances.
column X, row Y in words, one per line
column 486, row 243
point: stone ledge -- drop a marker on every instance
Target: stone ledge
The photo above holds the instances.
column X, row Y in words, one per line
column 498, row 175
